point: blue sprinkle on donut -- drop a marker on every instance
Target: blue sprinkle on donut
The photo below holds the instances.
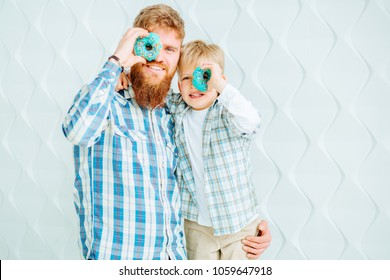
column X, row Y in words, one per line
column 148, row 47
column 200, row 78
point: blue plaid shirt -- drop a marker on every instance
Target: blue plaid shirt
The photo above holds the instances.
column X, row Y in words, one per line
column 126, row 195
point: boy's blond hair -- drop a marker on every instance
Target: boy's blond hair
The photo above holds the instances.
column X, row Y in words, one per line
column 160, row 15
column 197, row 51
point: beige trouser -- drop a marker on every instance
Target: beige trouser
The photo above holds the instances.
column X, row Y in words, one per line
column 203, row 245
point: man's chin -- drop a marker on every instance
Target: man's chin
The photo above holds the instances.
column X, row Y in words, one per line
column 150, row 90
column 154, row 80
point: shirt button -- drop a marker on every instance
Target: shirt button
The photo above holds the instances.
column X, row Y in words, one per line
column 162, row 165
column 112, row 73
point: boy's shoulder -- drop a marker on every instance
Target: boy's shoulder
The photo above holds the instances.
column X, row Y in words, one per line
column 174, row 96
column 175, row 102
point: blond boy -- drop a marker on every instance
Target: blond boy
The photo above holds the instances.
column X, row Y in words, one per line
column 213, row 132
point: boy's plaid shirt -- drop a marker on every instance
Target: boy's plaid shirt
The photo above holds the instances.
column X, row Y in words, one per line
column 231, row 196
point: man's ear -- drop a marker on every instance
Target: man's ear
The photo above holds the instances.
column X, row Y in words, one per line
column 224, row 77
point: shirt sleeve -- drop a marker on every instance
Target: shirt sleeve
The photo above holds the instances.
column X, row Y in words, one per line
column 175, row 103
column 86, row 118
column 245, row 116
column 172, row 100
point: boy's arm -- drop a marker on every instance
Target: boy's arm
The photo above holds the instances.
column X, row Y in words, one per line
column 246, row 118
column 85, row 119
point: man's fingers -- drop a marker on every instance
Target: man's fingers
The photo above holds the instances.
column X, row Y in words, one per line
column 250, row 256
column 253, row 253
column 136, row 32
column 256, row 245
column 139, row 59
column 134, row 60
column 263, row 226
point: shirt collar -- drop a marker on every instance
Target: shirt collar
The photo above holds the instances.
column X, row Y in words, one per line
column 129, row 93
column 126, row 94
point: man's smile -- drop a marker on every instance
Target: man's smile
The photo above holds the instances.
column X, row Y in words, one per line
column 155, row 67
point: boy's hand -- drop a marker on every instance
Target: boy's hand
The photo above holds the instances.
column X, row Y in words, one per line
column 256, row 245
column 123, row 82
column 124, row 50
column 217, row 80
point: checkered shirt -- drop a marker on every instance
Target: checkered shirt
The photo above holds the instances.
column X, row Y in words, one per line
column 126, row 195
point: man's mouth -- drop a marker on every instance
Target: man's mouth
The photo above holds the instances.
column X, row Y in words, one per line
column 155, row 67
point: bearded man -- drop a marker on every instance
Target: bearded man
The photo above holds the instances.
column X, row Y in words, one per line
column 126, row 195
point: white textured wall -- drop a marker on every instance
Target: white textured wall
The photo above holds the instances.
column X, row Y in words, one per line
column 317, row 70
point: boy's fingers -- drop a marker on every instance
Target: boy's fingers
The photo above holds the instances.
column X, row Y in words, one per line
column 122, row 82
column 118, row 87
column 125, row 83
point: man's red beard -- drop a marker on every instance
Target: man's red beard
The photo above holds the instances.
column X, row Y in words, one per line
column 150, row 91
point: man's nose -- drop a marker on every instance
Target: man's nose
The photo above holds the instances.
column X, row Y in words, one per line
column 160, row 57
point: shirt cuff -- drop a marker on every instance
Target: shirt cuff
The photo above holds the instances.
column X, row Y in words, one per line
column 111, row 69
column 228, row 93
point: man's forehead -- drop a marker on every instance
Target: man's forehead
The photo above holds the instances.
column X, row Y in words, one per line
column 168, row 33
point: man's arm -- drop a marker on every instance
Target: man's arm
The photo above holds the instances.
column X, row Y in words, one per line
column 256, row 245
column 85, row 120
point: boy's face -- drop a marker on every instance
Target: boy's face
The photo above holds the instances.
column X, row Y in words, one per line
column 196, row 99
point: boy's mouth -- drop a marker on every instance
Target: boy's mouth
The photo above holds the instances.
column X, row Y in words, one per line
column 196, row 95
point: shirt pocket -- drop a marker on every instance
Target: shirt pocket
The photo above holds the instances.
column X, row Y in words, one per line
column 129, row 145
column 131, row 134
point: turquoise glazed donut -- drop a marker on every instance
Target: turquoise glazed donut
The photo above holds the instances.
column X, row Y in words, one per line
column 200, row 78
column 148, row 47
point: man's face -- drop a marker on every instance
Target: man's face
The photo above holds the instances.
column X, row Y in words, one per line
column 151, row 81
column 166, row 61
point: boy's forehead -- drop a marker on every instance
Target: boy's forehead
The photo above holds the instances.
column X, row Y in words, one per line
column 188, row 68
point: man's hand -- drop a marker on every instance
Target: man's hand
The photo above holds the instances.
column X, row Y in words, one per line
column 256, row 245
column 124, row 50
